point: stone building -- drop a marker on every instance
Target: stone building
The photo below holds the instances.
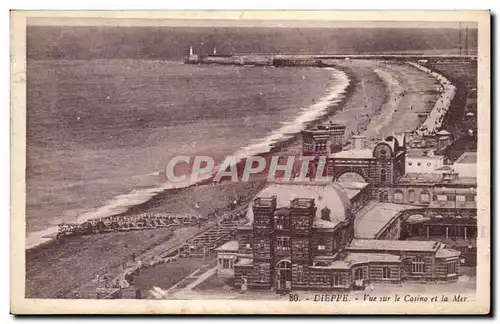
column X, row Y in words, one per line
column 301, row 236
column 388, row 225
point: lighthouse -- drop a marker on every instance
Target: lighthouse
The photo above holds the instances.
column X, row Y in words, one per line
column 192, row 58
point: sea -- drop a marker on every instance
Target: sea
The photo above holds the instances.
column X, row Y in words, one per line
column 101, row 131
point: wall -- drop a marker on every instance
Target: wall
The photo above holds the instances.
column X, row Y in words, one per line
column 428, row 272
column 244, row 237
column 434, row 201
column 376, row 273
column 442, row 268
column 423, row 164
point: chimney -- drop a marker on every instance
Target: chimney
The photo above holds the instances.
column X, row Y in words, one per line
column 359, row 142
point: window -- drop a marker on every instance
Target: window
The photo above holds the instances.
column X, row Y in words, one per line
column 410, row 163
column 299, row 247
column 460, row 198
column 419, row 164
column 411, row 195
column 262, row 273
column 452, row 267
column 470, row 198
column 417, row 264
column 301, row 223
column 226, row 264
column 358, row 274
column 282, row 243
column 450, row 197
column 300, row 273
column 321, row 244
column 441, row 197
column 382, row 176
column 282, row 222
column 336, row 279
column 398, row 196
column 386, row 273
column 425, row 197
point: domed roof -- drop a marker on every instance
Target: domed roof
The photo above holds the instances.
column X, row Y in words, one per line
column 326, row 195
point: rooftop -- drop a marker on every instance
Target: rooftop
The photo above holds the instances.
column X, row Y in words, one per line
column 415, row 178
column 228, row 246
column 436, row 178
column 393, row 245
column 447, row 253
column 323, row 128
column 371, row 257
column 353, row 154
column 443, row 132
column 445, row 168
column 352, row 188
column 335, row 265
column 354, row 258
column 467, row 157
column 325, row 195
column 374, row 217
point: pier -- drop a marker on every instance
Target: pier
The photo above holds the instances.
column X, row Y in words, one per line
column 290, row 59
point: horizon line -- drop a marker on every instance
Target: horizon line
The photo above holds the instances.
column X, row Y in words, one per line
column 245, row 23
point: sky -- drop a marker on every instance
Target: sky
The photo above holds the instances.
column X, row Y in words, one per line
column 242, row 21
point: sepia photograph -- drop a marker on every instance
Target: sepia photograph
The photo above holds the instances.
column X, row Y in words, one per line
column 250, row 162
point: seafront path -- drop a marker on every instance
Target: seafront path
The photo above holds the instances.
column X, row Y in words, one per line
column 408, row 93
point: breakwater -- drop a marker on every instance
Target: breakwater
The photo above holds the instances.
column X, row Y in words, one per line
column 313, row 59
column 257, row 60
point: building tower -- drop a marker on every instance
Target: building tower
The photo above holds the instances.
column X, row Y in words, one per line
column 263, row 242
column 322, row 140
column 302, row 214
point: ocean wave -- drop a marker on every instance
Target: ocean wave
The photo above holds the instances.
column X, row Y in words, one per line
column 122, row 203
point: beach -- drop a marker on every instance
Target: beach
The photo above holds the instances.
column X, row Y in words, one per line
column 382, row 98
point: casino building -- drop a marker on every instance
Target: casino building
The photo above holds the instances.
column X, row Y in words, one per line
column 384, row 225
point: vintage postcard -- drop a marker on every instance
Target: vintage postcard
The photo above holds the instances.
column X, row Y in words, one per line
column 253, row 162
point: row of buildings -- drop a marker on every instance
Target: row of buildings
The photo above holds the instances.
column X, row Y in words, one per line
column 392, row 213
